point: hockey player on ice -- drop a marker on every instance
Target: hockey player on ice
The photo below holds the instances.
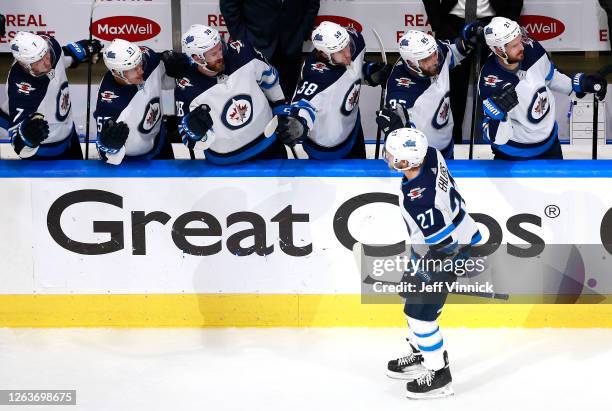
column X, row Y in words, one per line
column 324, row 112
column 439, row 228
column 418, row 89
column 38, row 98
column 516, row 84
column 129, row 108
column 224, row 100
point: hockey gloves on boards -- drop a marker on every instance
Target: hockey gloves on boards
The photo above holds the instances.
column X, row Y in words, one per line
column 196, row 128
column 113, row 136
column 497, row 106
column 33, row 130
column 589, row 83
column 289, row 127
column 82, row 50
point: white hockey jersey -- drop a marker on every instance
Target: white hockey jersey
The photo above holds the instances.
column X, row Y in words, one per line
column 328, row 96
column 530, row 128
column 427, row 99
column 48, row 95
column 434, row 211
column 239, row 101
column 140, row 107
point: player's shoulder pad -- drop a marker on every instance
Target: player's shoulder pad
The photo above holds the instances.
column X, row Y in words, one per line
column 401, row 85
column 322, row 74
column 25, row 90
column 421, row 190
column 152, row 60
column 358, row 40
column 533, row 52
column 493, row 77
column 112, row 97
column 444, row 46
column 55, row 46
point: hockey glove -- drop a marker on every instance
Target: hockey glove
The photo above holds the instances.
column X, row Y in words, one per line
column 497, row 106
column 34, row 130
column 113, row 136
column 195, row 125
column 388, row 120
column 377, row 73
column 472, row 34
column 175, row 63
column 589, row 83
column 82, row 50
column 291, row 129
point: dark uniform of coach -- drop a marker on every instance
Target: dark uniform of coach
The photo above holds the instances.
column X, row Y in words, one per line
column 447, row 19
column 277, row 28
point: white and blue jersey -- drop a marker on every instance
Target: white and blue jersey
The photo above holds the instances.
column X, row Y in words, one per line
column 138, row 106
column 434, row 211
column 48, row 95
column 529, row 129
column 427, row 99
column 239, row 99
column 328, row 98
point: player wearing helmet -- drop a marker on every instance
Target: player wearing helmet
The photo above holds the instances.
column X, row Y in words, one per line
column 38, row 99
column 325, row 107
column 129, row 111
column 516, row 84
column 224, row 99
column 440, row 229
column 419, row 86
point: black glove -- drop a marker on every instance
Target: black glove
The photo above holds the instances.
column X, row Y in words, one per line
column 2, row 25
column 378, row 72
column 593, row 83
column 175, row 63
column 472, row 34
column 497, row 106
column 389, row 119
column 291, row 129
column 198, row 122
column 82, row 50
column 113, row 136
column 34, row 130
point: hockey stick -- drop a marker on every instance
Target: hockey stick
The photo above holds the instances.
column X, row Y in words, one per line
column 383, row 91
column 476, row 95
column 94, row 4
column 604, row 71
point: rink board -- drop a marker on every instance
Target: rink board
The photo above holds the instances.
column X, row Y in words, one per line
column 181, row 243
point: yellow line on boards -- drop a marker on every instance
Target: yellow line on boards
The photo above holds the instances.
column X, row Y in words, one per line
column 276, row 310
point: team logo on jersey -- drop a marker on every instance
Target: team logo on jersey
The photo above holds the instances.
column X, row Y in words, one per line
column 404, row 82
column 183, row 83
column 237, row 112
column 152, row 115
column 351, row 99
column 442, row 113
column 492, row 80
column 63, row 102
column 320, row 67
column 540, row 106
column 25, row 88
column 108, row 96
column 415, row 193
column 236, row 45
